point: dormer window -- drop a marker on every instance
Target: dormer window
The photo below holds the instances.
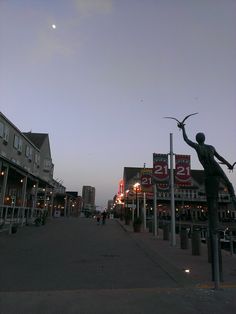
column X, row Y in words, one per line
column 28, row 152
column 18, row 144
column 4, row 132
column 47, row 165
column 37, row 159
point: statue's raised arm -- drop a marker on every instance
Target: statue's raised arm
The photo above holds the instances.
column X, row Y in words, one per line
column 187, row 140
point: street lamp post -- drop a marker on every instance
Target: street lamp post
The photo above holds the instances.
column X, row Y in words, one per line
column 136, row 186
column 144, row 211
column 126, row 208
column 137, row 209
column 127, row 200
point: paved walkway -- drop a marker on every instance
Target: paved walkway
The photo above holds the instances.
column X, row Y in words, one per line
column 73, row 266
column 182, row 259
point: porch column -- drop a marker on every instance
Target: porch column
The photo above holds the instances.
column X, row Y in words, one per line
column 45, row 199
column 4, row 185
column 65, row 207
column 23, row 193
column 35, row 199
column 52, row 201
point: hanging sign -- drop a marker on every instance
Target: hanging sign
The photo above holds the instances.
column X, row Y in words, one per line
column 146, row 180
column 182, row 170
column 160, row 170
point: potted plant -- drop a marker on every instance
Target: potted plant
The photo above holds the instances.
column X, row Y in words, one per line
column 137, row 224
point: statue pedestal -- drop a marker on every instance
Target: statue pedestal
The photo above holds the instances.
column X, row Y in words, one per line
column 212, row 187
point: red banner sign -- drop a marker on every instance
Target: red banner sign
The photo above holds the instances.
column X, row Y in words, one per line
column 146, row 180
column 182, row 170
column 160, row 170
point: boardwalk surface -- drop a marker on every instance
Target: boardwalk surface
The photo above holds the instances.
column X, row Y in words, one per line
column 75, row 266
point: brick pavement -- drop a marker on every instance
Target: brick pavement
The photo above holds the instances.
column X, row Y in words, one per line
column 175, row 258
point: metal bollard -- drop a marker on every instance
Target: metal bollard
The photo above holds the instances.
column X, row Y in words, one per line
column 10, row 228
column 231, row 244
column 196, row 242
column 150, row 226
column 184, row 243
column 166, row 233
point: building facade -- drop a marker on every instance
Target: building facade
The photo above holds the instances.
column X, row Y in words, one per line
column 26, row 173
column 75, row 203
column 88, row 196
column 190, row 200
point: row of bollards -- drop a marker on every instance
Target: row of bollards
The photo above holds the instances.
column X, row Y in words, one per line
column 184, row 238
column 192, row 235
column 195, row 240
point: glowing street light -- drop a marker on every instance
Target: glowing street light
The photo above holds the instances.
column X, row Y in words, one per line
column 136, row 187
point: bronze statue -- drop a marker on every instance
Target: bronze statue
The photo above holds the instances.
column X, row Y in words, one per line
column 213, row 175
column 206, row 155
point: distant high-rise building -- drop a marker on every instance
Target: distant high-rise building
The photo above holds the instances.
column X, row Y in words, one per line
column 88, row 195
column 110, row 205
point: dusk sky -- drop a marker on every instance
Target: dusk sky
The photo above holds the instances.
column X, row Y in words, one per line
column 101, row 81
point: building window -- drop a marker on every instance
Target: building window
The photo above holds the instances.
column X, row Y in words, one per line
column 28, row 152
column 18, row 143
column 1, row 129
column 47, row 164
column 6, row 134
column 37, row 159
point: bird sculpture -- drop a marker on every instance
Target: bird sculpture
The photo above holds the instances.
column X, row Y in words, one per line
column 180, row 124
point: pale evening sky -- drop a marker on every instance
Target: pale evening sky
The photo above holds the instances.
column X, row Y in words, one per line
column 101, row 82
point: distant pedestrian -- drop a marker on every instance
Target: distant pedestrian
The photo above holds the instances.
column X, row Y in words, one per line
column 104, row 216
column 98, row 219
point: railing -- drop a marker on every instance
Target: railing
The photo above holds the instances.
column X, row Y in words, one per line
column 17, row 216
column 223, row 198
